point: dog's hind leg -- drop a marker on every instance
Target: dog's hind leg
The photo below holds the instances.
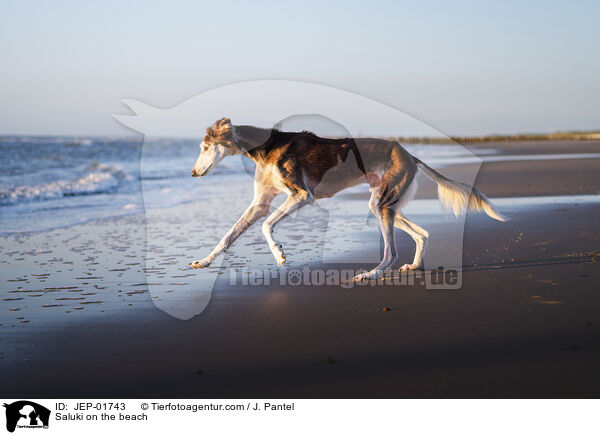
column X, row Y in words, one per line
column 291, row 204
column 257, row 209
column 418, row 234
column 386, row 216
column 396, row 188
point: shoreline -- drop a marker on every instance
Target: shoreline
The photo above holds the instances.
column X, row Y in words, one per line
column 501, row 149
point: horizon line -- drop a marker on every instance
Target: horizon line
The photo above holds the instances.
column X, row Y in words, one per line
column 492, row 137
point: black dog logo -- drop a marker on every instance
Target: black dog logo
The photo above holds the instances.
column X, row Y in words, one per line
column 27, row 414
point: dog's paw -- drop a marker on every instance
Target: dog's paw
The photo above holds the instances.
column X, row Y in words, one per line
column 408, row 267
column 199, row 264
column 361, row 277
column 278, row 254
column 365, row 276
column 280, row 260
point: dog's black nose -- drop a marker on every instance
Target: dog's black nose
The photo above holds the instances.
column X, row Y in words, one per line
column 194, row 173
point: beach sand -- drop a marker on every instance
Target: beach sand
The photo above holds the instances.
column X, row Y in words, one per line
column 95, row 310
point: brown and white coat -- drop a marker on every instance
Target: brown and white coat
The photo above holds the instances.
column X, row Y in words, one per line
column 306, row 167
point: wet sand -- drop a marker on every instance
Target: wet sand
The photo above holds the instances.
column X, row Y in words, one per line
column 79, row 314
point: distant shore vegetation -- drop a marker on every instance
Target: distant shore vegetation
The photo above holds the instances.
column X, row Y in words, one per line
column 566, row 135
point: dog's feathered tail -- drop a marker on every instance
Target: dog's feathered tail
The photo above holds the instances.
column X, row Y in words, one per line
column 458, row 197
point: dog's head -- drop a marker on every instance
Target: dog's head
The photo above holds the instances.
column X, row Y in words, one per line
column 216, row 145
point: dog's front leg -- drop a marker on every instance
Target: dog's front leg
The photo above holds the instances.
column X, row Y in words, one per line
column 291, row 204
column 258, row 209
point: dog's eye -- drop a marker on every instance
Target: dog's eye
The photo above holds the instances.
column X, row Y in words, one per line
column 204, row 147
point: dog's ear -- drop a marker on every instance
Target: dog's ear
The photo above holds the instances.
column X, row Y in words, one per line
column 221, row 127
column 222, row 131
column 224, row 123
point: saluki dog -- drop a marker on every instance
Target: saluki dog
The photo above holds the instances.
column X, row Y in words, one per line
column 306, row 167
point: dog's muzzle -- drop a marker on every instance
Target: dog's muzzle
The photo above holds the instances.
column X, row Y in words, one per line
column 203, row 173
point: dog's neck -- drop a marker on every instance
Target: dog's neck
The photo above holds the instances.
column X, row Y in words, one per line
column 251, row 141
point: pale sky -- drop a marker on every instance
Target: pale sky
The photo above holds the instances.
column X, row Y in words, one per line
column 461, row 67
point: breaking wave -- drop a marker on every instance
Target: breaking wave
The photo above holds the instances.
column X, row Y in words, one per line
column 98, row 178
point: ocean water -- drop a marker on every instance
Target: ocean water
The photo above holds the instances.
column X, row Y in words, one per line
column 51, row 182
